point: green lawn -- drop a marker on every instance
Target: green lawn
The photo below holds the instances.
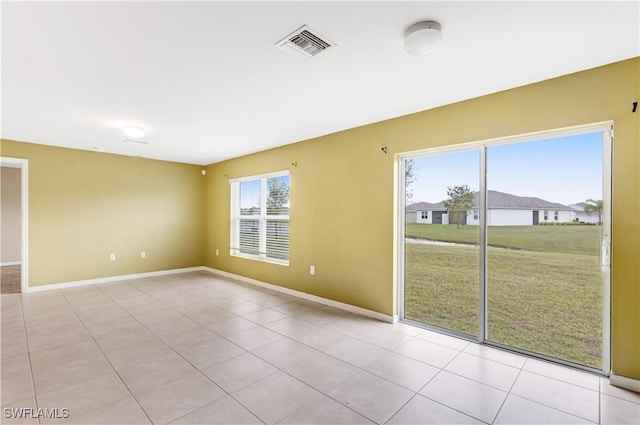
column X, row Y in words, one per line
column 546, row 300
column 564, row 239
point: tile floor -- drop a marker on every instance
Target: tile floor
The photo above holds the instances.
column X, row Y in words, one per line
column 199, row 349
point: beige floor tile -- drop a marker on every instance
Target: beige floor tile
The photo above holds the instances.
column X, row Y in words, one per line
column 401, row 370
column 485, row 371
column 428, row 352
column 189, row 338
column 314, row 336
column 464, row 395
column 52, row 324
column 163, row 315
column 616, row 411
column 564, row 374
column 42, row 358
column 120, row 290
column 147, row 375
column 16, row 379
column 245, row 307
column 13, row 344
column 65, row 373
column 572, row 399
column 284, row 352
column 254, row 338
column 275, row 397
column 10, row 302
column 123, row 337
column 209, row 352
column 321, row 371
column 356, row 352
column 371, row 396
column 265, row 316
column 134, row 355
column 101, row 325
column 236, row 373
column 420, row 410
column 517, row 410
column 496, row 355
column 324, row 410
column 86, row 396
column 21, row 412
column 225, row 411
column 388, row 340
column 229, row 325
column 123, row 412
column 442, row 339
column 175, row 399
column 172, row 326
column 43, row 340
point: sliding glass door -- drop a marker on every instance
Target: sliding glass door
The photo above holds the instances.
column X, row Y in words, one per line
column 442, row 241
column 507, row 243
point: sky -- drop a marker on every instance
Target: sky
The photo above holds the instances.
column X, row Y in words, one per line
column 566, row 170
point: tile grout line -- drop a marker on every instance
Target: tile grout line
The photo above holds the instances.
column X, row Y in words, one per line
column 110, row 364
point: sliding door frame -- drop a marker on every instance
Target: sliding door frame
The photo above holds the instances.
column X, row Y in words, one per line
column 606, row 128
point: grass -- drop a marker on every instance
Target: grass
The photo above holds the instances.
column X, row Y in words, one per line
column 541, row 300
column 560, row 239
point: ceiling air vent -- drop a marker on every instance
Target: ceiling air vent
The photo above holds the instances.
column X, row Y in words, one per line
column 304, row 42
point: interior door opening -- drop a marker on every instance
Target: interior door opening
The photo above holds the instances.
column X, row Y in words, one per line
column 502, row 240
column 14, row 213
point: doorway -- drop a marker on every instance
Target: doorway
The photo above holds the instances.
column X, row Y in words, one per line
column 522, row 263
column 14, row 213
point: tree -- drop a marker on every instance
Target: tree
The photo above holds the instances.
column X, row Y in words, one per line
column 278, row 196
column 458, row 203
column 594, row 206
column 409, row 178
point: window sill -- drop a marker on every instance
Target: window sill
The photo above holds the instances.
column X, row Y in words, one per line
column 262, row 259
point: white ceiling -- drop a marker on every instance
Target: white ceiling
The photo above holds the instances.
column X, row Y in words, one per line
column 208, row 84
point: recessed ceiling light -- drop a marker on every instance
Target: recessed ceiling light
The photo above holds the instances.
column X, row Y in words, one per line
column 134, row 131
column 422, row 38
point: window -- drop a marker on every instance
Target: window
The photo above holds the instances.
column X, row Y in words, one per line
column 425, row 215
column 260, row 217
column 555, row 215
column 546, row 216
column 476, row 214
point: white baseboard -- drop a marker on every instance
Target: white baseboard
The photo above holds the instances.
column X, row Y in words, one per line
column 11, row 263
column 96, row 281
column 336, row 304
column 624, row 382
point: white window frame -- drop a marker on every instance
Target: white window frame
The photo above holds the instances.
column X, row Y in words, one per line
column 262, row 217
column 425, row 215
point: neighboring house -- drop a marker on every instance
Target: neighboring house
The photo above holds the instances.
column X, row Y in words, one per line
column 582, row 216
column 503, row 210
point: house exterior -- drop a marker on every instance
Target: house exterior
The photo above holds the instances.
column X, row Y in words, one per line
column 582, row 216
column 504, row 209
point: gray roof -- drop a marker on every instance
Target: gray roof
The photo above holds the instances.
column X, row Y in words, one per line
column 497, row 199
column 420, row 206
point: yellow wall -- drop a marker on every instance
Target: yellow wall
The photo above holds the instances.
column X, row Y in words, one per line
column 85, row 205
column 342, row 191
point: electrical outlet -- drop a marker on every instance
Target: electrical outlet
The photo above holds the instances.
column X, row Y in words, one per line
column 112, row 257
column 312, row 270
column 143, row 254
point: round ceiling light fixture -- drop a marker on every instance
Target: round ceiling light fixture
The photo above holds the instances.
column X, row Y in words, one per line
column 422, row 37
column 134, row 131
